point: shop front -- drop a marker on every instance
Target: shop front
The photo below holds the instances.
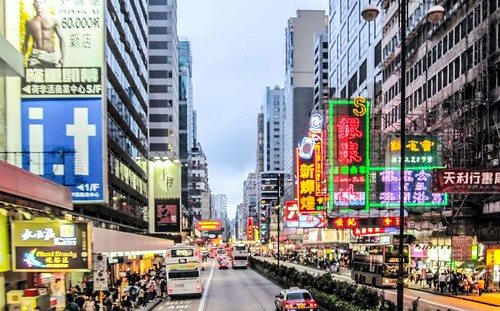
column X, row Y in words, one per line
column 49, row 251
column 129, row 255
column 439, row 258
column 418, row 254
column 25, row 196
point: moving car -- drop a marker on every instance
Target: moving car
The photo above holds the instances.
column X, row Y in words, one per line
column 294, row 299
column 223, row 264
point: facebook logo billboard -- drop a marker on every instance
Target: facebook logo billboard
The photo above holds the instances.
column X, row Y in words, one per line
column 62, row 140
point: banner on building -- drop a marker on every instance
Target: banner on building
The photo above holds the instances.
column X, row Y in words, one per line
column 63, row 47
column 62, row 140
column 47, row 245
column 466, row 180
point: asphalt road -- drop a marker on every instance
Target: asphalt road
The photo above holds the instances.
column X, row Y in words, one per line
column 228, row 290
column 246, row 290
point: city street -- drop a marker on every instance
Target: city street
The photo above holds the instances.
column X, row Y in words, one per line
column 232, row 290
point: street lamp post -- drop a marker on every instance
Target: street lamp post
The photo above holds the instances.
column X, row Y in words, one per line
column 435, row 14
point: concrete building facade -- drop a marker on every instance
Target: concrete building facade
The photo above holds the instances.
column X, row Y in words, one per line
column 299, row 82
column 163, row 79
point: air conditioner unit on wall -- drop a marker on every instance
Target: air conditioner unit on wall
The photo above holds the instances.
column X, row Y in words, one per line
column 495, row 162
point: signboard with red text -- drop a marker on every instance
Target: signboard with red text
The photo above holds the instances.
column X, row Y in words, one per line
column 210, row 225
column 356, row 222
column 349, row 154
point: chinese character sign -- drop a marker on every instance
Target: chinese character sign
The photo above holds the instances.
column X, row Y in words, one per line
column 466, row 180
column 4, row 244
column 348, row 152
column 51, row 246
column 417, row 188
column 419, row 151
column 306, row 185
column 63, row 47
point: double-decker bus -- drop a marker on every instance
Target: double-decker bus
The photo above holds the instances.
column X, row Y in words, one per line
column 378, row 264
column 240, row 256
column 183, row 270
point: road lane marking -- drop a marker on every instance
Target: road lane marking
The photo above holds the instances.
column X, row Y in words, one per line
column 204, row 296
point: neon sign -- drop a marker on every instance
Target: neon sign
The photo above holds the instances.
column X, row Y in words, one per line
column 309, row 179
column 419, row 151
column 418, row 188
column 349, row 154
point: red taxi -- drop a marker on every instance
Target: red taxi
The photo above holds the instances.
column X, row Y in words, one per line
column 294, row 299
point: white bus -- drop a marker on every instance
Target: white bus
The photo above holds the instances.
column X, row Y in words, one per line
column 240, row 256
column 183, row 270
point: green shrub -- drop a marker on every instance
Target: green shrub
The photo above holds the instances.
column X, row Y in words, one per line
column 329, row 293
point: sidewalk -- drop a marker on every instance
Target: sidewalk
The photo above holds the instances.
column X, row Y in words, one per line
column 491, row 299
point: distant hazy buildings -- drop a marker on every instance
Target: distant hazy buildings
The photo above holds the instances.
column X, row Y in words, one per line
column 163, row 79
column 299, row 82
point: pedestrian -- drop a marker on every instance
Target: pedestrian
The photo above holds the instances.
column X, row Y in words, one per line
column 125, row 301
column 480, row 286
column 442, row 282
column 71, row 305
column 454, row 284
column 89, row 304
column 140, row 296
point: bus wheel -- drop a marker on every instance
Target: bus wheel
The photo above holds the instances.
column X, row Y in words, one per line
column 374, row 282
column 356, row 278
column 363, row 280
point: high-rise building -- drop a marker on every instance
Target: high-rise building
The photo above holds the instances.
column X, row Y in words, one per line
column 452, row 93
column 321, row 92
column 260, row 142
column 163, row 79
column 274, row 115
column 185, row 112
column 299, row 82
column 250, row 196
column 198, row 183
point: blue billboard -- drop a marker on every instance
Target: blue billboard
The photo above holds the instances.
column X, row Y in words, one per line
column 62, row 140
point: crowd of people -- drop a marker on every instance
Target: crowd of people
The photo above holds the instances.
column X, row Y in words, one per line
column 131, row 292
column 452, row 281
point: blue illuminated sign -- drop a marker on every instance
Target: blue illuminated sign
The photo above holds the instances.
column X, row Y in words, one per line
column 62, row 140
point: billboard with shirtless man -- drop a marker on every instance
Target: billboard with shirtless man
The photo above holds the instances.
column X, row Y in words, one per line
column 63, row 46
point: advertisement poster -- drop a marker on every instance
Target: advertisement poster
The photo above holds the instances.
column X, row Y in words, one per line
column 167, row 213
column 63, row 47
column 62, row 140
column 167, row 179
column 46, row 245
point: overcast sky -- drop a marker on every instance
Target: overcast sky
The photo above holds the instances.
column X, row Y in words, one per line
column 238, row 49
